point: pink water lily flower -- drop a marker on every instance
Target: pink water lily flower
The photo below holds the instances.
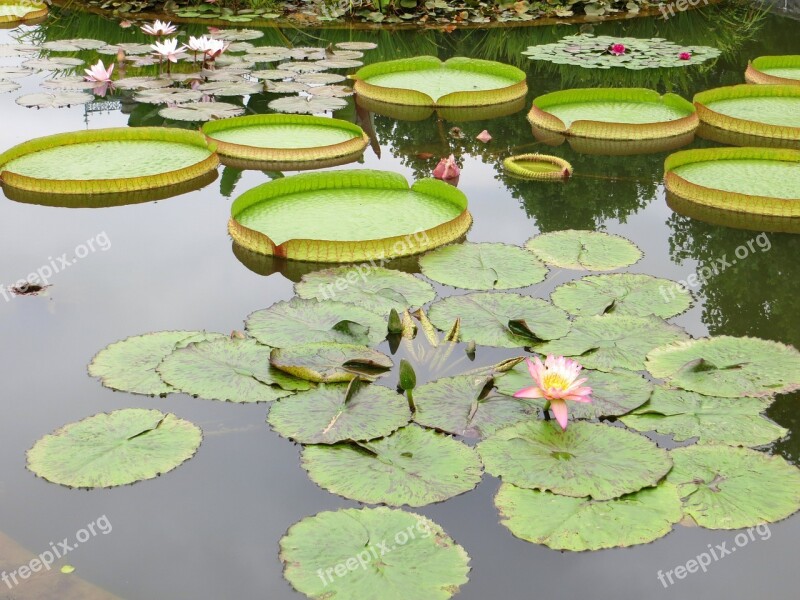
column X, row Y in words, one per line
column 685, row 55
column 447, row 169
column 484, row 136
column 556, row 382
column 98, row 73
column 159, row 28
column 617, row 49
column 168, row 49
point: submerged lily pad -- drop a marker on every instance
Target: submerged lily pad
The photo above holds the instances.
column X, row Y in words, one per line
column 424, row 563
column 622, row 294
column 578, row 524
column 130, row 365
column 612, row 341
column 728, row 366
column 331, row 363
column 413, row 466
column 116, row 448
column 457, row 405
column 232, row 370
column 501, row 319
column 587, row 459
column 584, row 250
column 330, row 414
column 300, row 321
column 483, row 266
column 613, row 394
column 733, row 488
column 710, row 419
column 374, row 288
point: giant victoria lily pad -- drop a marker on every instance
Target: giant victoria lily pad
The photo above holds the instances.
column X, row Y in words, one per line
column 710, row 419
column 774, row 70
column 300, row 321
column 483, row 266
column 728, row 366
column 331, row 413
column 622, row 294
column 107, row 161
column 348, row 216
column 584, row 250
column 13, row 12
column 767, row 111
column 130, row 365
column 404, row 555
column 331, row 362
column 613, row 394
column 370, row 286
column 577, row 524
column 291, row 142
column 116, row 448
column 587, row 459
column 232, row 370
column 500, row 319
column 731, row 488
column 413, row 466
column 613, row 113
column 754, row 181
column 427, row 81
column 539, row 167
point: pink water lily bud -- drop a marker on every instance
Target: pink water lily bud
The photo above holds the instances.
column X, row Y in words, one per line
column 617, row 49
column 685, row 55
column 484, row 137
column 447, row 169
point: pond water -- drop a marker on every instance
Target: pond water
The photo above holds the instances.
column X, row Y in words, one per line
column 210, row 529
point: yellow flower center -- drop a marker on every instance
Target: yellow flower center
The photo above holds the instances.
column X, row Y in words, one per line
column 554, row 380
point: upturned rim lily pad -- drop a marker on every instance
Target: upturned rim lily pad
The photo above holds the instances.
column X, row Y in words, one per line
column 22, row 11
column 330, row 221
column 290, row 140
column 483, row 266
column 539, row 167
column 732, row 488
column 584, row 250
column 774, row 70
column 587, row 459
column 413, row 466
column 199, row 160
column 403, row 81
column 727, row 366
column 637, row 113
column 428, row 564
column 327, row 362
column 580, row 524
column 116, row 448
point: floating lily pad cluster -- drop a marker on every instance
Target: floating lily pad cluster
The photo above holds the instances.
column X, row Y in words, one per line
column 606, row 52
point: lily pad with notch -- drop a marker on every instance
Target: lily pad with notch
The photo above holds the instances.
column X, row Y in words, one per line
column 331, row 362
column 584, row 250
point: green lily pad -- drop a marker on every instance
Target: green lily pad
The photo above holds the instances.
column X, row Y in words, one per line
column 201, row 111
column 457, row 405
column 168, row 95
column 588, row 459
column 612, row 341
column 622, row 294
column 413, row 466
column 733, row 488
column 53, row 63
column 58, row 100
column 328, row 414
column 130, row 365
column 578, row 524
column 728, row 366
column 331, row 363
column 483, row 266
column 238, row 35
column 312, row 105
column 613, row 394
column 116, row 448
column 685, row 415
column 75, row 45
column 357, row 45
column 500, row 319
column 320, row 78
column 232, row 370
column 404, row 555
column 584, row 250
column 331, row 91
column 300, row 321
column 373, row 288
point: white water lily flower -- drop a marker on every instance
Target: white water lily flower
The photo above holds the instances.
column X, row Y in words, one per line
column 168, row 49
column 159, row 28
column 201, row 44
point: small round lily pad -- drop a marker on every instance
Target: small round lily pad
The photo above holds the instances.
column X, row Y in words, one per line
column 412, row 466
column 116, row 448
column 584, row 250
column 328, row 362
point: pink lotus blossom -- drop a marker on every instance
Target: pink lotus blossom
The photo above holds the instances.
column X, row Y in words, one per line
column 447, row 169
column 556, row 382
column 98, row 73
column 685, row 55
column 159, row 28
column 484, row 137
column 617, row 49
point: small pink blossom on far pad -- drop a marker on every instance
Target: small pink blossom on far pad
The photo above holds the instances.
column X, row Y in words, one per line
column 685, row 55
column 617, row 49
column 447, row 169
column 556, row 382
